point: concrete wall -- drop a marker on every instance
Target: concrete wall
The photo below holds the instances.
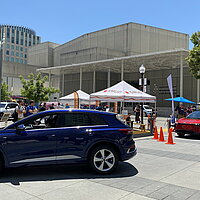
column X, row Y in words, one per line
column 125, row 39
column 87, row 55
column 11, row 73
column 41, row 54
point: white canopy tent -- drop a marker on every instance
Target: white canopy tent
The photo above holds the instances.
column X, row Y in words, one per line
column 122, row 92
column 84, row 98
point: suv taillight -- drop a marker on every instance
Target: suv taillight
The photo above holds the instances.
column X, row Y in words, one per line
column 126, row 131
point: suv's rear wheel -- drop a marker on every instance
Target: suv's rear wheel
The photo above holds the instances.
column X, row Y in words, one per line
column 103, row 159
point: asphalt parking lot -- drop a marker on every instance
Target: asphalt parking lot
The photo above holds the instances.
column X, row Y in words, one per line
column 159, row 171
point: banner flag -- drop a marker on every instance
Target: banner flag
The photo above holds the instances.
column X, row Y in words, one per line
column 169, row 81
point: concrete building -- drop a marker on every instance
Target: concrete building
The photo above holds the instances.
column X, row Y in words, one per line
column 97, row 60
column 17, row 41
column 12, row 71
column 119, row 41
column 42, row 54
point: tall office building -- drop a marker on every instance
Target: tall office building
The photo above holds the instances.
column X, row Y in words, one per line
column 17, row 40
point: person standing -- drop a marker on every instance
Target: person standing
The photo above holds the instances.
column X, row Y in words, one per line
column 43, row 108
column 20, row 109
column 52, row 106
column 181, row 111
column 31, row 109
column 137, row 114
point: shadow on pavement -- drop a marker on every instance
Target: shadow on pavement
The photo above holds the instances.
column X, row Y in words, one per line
column 191, row 137
column 62, row 172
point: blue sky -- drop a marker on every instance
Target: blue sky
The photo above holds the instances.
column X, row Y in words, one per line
column 62, row 20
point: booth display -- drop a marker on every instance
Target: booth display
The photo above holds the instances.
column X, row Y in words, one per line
column 76, row 98
column 122, row 92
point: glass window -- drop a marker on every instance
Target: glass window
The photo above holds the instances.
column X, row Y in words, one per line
column 29, row 43
column 21, row 55
column 21, row 48
column 42, row 121
column 38, row 39
column 17, row 53
column 22, row 42
column 7, row 46
column 13, row 40
column 25, row 61
column 17, row 37
column 17, row 60
column 12, row 59
column 17, row 47
column 8, row 40
column 13, row 47
column 7, row 58
column 21, row 61
column 25, row 49
column 7, row 52
column 12, row 53
column 25, row 55
column 13, row 31
column 79, row 119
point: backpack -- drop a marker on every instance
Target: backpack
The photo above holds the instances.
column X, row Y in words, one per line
column 15, row 115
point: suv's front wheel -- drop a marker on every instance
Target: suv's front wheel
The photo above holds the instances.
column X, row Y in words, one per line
column 103, row 159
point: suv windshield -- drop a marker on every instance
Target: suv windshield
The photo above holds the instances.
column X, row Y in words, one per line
column 194, row 115
column 2, row 105
column 146, row 107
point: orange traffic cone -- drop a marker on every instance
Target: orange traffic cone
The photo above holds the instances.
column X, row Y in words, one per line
column 155, row 133
column 161, row 139
column 170, row 137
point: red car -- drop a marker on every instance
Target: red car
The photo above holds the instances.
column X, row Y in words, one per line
column 188, row 125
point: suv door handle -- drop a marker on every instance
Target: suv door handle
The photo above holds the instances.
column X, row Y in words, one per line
column 89, row 131
column 53, row 135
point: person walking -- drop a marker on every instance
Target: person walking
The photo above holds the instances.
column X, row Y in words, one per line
column 31, row 109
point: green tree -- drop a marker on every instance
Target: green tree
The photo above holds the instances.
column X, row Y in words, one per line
column 5, row 94
column 194, row 56
column 34, row 88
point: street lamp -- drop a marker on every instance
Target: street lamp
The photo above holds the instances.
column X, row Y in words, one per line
column 2, row 40
column 141, row 82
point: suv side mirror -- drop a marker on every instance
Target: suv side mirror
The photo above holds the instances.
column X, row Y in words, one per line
column 21, row 127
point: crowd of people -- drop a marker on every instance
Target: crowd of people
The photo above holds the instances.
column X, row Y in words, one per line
column 182, row 111
column 24, row 110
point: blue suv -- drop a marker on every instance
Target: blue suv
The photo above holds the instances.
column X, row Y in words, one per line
column 67, row 136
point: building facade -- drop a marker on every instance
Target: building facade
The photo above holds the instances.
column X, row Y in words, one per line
column 119, row 41
column 17, row 40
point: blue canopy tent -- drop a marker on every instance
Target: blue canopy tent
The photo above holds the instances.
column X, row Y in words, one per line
column 180, row 99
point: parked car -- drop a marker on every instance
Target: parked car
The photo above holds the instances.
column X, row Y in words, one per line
column 147, row 110
column 7, row 107
column 188, row 125
column 67, row 136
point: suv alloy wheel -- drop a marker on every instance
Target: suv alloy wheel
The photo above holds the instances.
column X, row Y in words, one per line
column 103, row 159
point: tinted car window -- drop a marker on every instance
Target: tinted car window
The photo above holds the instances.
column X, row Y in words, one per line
column 2, row 105
column 97, row 119
column 42, row 121
column 78, row 119
column 11, row 105
column 194, row 115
